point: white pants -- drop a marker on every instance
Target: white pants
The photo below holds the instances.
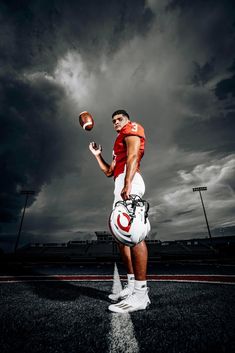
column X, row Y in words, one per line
column 137, row 186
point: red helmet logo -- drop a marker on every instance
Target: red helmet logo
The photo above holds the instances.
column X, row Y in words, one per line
column 124, row 228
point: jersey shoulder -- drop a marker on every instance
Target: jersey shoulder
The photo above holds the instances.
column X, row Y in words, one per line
column 133, row 129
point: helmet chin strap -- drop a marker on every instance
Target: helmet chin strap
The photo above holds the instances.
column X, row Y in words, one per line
column 134, row 201
column 146, row 211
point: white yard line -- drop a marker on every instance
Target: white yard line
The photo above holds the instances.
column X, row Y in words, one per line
column 122, row 336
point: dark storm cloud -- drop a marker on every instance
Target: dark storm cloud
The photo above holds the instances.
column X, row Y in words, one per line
column 36, row 144
column 34, row 34
column 34, row 139
column 203, row 73
column 225, row 88
column 209, row 129
column 212, row 22
column 215, row 135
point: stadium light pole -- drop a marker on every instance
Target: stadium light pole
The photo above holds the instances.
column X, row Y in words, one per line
column 199, row 189
column 26, row 193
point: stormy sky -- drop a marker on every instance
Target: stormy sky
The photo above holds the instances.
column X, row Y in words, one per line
column 169, row 63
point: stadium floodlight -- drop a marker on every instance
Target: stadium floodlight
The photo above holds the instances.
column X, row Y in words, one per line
column 199, row 189
column 26, row 193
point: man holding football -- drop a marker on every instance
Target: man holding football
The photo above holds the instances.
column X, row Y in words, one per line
column 127, row 154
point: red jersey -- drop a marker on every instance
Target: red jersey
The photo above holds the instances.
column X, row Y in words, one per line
column 120, row 149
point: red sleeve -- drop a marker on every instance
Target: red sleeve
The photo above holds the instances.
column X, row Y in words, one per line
column 133, row 129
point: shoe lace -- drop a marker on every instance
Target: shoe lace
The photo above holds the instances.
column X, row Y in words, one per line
column 131, row 299
column 126, row 288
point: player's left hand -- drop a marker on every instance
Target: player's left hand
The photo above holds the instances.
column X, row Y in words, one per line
column 125, row 193
column 95, row 149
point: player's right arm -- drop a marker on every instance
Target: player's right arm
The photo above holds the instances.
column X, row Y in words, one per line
column 104, row 166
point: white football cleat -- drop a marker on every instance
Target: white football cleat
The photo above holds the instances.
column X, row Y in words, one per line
column 133, row 302
column 124, row 293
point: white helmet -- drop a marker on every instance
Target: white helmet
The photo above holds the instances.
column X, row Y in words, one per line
column 129, row 222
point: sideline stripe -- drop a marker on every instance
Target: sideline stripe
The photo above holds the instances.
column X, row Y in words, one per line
column 226, row 279
column 122, row 336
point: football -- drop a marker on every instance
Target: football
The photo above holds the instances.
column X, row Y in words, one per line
column 86, row 120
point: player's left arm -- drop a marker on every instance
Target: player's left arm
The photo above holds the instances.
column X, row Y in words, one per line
column 133, row 147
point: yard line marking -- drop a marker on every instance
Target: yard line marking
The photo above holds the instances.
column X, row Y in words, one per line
column 122, row 335
column 117, row 286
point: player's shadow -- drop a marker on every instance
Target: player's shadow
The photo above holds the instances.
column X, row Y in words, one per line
column 56, row 290
column 66, row 291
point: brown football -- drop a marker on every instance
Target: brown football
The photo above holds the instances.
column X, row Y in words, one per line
column 86, row 121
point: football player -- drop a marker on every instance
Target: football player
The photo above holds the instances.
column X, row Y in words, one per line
column 125, row 168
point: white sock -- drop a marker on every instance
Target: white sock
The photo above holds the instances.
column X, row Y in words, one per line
column 131, row 279
column 140, row 285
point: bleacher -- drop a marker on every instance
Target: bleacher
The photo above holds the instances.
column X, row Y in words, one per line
column 106, row 248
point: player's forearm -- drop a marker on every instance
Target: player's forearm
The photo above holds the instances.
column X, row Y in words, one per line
column 131, row 168
column 104, row 166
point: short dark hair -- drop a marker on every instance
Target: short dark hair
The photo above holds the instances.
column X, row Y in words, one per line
column 121, row 111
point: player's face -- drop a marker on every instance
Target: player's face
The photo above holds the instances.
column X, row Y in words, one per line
column 119, row 121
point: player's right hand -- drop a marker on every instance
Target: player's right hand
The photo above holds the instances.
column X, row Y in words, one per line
column 95, row 149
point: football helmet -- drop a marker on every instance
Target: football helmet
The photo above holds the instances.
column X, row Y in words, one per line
column 129, row 222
